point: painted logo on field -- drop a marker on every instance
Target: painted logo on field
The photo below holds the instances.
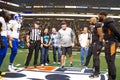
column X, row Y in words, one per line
column 52, row 73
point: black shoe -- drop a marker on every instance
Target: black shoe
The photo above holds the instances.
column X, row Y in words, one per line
column 71, row 65
column 94, row 75
column 62, row 67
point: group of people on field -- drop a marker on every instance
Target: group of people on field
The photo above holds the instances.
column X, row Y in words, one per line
column 101, row 31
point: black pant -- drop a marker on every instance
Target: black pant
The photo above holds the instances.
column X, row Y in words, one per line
column 96, row 59
column 110, row 59
column 34, row 45
column 93, row 50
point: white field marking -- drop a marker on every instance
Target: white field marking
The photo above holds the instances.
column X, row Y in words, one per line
column 17, row 65
column 55, row 68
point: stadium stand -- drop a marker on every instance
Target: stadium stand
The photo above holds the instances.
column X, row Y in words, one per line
column 95, row 3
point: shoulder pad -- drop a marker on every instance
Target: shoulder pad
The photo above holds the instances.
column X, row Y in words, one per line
column 12, row 21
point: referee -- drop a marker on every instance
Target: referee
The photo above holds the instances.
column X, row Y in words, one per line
column 33, row 39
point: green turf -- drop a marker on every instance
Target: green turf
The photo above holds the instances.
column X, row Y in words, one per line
column 20, row 59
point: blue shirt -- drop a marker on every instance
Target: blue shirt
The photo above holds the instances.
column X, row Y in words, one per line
column 46, row 38
column 54, row 38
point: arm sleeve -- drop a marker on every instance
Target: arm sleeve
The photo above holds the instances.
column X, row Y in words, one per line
column 59, row 38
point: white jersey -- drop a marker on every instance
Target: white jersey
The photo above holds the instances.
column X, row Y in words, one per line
column 14, row 28
column 4, row 27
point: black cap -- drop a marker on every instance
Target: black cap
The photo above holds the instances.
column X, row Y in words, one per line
column 63, row 22
column 38, row 22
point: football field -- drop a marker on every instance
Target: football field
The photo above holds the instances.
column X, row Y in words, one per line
column 21, row 56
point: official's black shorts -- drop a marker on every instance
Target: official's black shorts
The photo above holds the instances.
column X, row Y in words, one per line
column 67, row 50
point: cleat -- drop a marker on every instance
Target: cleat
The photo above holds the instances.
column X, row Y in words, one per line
column 14, row 67
column 11, row 69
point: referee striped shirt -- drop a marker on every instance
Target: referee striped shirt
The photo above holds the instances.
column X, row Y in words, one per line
column 35, row 34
